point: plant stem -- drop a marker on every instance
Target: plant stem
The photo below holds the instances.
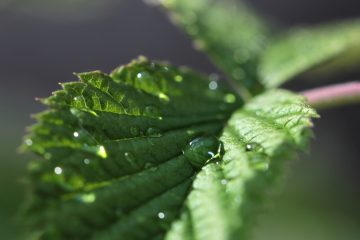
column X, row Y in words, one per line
column 333, row 95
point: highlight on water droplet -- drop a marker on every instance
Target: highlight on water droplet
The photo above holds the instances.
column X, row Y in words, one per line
column 202, row 149
column 58, row 170
column 213, row 85
column 86, row 161
column 223, row 181
column 161, row 215
column 101, row 152
column 163, row 98
column 76, row 134
column 253, row 146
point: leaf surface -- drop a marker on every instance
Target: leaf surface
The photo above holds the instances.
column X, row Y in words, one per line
column 110, row 149
column 258, row 139
column 330, row 47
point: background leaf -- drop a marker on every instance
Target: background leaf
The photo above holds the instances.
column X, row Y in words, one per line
column 110, row 150
column 328, row 48
column 258, row 139
column 229, row 31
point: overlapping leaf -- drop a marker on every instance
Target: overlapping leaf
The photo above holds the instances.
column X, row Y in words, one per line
column 229, row 31
column 333, row 47
column 110, row 149
column 258, row 139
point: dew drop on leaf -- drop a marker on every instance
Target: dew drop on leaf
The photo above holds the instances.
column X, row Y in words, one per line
column 153, row 132
column 86, row 161
column 88, row 198
column 223, row 181
column 202, row 149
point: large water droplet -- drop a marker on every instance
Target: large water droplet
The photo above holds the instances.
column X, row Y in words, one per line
column 153, row 132
column 202, row 149
column 152, row 111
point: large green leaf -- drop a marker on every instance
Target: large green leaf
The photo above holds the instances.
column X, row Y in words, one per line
column 229, row 31
column 258, row 139
column 110, row 148
column 117, row 155
column 333, row 47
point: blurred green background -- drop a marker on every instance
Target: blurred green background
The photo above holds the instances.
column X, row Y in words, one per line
column 42, row 43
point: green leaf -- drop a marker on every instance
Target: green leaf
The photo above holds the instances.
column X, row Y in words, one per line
column 113, row 150
column 330, row 47
column 258, row 139
column 229, row 31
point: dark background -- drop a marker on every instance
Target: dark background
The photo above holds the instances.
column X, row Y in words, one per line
column 42, row 43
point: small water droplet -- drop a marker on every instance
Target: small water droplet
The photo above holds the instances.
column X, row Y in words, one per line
column 88, row 198
column 86, row 161
column 101, row 151
column 153, row 132
column 143, row 77
column 178, row 78
column 229, row 98
column 58, row 170
column 148, row 165
column 76, row 98
column 76, row 134
column 213, row 85
column 131, row 159
column 134, row 131
column 253, row 146
column 223, row 181
column 28, row 142
column 152, row 111
column 202, row 149
column 47, row 156
column 161, row 215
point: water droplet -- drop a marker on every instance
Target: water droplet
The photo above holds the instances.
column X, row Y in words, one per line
column 148, row 165
column 143, row 77
column 101, row 152
column 152, row 111
column 131, row 159
column 253, row 146
column 161, row 215
column 213, row 85
column 58, row 170
column 153, row 132
column 223, row 181
column 86, row 161
column 134, row 131
column 76, row 134
column 28, row 142
column 229, row 98
column 202, row 149
column 76, row 98
column 88, row 198
column 178, row 78
column 47, row 156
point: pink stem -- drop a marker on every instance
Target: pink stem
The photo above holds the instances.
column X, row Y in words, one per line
column 333, row 95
